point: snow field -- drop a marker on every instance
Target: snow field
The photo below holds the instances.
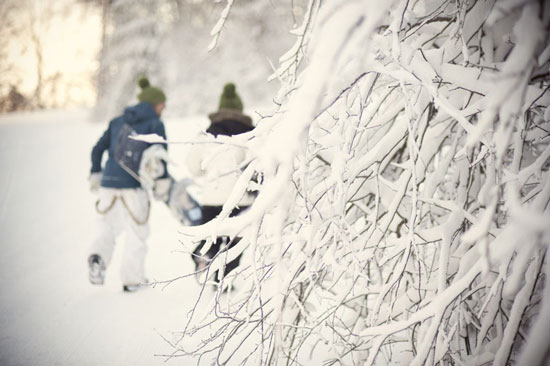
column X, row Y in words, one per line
column 49, row 313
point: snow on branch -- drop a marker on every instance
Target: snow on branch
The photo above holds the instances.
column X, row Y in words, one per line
column 217, row 30
column 153, row 138
column 402, row 215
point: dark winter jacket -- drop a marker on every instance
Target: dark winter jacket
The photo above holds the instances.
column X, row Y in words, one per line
column 144, row 120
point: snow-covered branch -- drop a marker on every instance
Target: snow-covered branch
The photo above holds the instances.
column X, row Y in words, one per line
column 403, row 213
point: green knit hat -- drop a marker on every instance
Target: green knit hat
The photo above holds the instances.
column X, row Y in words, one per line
column 230, row 99
column 150, row 93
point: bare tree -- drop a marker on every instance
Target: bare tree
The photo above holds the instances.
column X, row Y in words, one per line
column 403, row 215
column 31, row 22
column 102, row 77
column 10, row 97
column 35, row 23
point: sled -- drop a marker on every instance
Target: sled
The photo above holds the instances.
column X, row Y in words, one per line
column 129, row 154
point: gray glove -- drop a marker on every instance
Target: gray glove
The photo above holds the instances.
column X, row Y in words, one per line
column 162, row 188
column 95, row 181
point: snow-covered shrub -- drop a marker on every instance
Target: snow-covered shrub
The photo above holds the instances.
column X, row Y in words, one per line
column 403, row 216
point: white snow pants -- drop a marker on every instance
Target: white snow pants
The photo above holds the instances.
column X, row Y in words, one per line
column 123, row 211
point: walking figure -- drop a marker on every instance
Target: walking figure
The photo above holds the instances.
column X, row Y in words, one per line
column 123, row 204
column 216, row 168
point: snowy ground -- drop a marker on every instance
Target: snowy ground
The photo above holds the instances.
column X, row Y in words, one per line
column 49, row 313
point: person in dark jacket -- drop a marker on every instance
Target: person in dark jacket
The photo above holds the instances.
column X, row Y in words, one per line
column 215, row 169
column 123, row 203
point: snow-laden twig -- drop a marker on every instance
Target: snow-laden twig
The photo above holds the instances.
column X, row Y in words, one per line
column 217, row 30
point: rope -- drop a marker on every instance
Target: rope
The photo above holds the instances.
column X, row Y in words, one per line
column 111, row 205
column 139, row 223
column 108, row 207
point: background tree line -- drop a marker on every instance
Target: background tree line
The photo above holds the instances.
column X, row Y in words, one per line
column 166, row 39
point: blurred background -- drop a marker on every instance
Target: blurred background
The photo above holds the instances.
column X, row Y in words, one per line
column 59, row 54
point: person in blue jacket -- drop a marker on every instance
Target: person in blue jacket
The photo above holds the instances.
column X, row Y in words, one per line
column 123, row 204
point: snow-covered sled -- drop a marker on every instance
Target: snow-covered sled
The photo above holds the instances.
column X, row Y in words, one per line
column 147, row 164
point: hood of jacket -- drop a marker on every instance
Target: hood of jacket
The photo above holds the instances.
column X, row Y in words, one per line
column 139, row 112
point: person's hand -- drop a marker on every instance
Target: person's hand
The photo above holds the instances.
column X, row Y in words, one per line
column 161, row 189
column 95, row 181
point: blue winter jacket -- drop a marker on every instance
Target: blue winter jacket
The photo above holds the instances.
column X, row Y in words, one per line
column 144, row 120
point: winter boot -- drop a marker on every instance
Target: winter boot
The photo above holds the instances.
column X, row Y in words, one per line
column 134, row 287
column 96, row 268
